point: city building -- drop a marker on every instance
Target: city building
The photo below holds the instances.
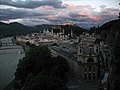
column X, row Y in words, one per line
column 87, row 57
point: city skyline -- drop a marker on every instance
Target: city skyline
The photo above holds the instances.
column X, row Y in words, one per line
column 85, row 13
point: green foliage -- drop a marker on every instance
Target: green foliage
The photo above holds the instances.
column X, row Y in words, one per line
column 75, row 29
column 15, row 28
column 39, row 71
column 44, row 81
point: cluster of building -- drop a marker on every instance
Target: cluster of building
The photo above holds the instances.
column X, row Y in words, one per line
column 47, row 37
column 90, row 60
column 88, row 56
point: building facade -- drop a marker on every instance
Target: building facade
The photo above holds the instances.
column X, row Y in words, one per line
column 87, row 57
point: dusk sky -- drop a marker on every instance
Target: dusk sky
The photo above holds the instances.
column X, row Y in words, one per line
column 85, row 13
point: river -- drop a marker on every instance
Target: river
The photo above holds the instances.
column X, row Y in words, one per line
column 8, row 62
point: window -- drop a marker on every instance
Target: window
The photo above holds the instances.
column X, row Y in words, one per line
column 89, row 68
column 80, row 50
column 89, row 75
column 97, row 50
column 90, row 60
column 91, row 50
column 85, row 76
column 94, row 68
column 93, row 75
column 85, row 69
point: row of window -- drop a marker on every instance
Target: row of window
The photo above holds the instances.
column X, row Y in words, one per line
column 90, row 68
column 88, row 50
column 89, row 76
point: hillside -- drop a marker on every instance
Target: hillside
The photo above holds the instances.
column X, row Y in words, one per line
column 110, row 31
column 14, row 29
column 76, row 29
column 43, row 26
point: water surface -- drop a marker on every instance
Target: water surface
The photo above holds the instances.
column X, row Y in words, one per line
column 8, row 62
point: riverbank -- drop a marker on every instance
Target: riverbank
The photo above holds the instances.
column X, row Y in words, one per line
column 9, row 59
column 10, row 85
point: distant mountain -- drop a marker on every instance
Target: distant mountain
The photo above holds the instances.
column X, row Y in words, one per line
column 14, row 29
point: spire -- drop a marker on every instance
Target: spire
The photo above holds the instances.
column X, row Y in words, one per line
column 63, row 31
column 71, row 33
column 52, row 32
column 44, row 31
column 119, row 16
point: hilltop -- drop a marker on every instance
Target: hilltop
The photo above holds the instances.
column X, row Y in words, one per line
column 16, row 28
column 110, row 32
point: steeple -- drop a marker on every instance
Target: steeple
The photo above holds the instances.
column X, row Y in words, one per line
column 63, row 31
column 119, row 16
column 71, row 33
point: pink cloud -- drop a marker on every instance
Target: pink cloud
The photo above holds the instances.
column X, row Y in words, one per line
column 53, row 18
column 84, row 14
column 95, row 18
column 46, row 8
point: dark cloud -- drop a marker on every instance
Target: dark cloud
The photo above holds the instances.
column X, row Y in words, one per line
column 32, row 3
column 7, row 14
column 46, row 13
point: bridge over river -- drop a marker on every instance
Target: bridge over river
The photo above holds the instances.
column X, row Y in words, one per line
column 9, row 42
column 12, row 47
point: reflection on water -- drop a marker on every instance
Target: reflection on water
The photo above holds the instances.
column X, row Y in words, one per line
column 8, row 62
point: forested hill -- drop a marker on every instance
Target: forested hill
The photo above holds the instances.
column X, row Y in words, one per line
column 15, row 28
column 110, row 32
column 76, row 29
column 109, row 29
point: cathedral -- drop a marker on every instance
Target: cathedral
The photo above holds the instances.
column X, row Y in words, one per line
column 58, row 32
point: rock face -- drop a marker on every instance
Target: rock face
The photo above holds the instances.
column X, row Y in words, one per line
column 110, row 32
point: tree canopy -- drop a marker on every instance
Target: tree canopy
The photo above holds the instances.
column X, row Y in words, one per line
column 39, row 71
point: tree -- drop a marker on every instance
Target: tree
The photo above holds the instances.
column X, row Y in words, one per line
column 45, row 81
column 39, row 71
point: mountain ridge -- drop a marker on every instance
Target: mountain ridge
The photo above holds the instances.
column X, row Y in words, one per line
column 15, row 28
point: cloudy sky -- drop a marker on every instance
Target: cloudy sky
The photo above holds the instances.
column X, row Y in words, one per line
column 85, row 13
